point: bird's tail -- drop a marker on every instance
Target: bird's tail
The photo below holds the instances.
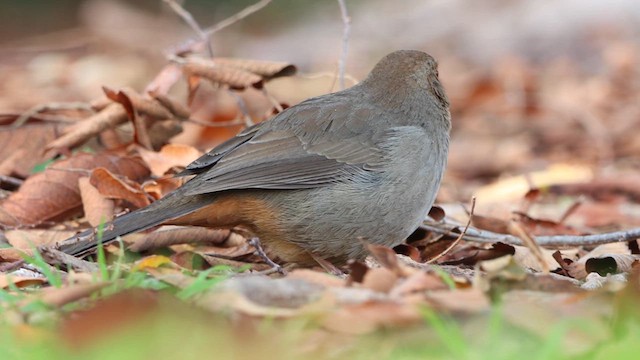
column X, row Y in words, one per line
column 170, row 207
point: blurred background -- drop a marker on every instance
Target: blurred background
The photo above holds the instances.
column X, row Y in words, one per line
column 534, row 84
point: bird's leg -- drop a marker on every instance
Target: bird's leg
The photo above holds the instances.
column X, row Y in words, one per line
column 327, row 266
column 255, row 242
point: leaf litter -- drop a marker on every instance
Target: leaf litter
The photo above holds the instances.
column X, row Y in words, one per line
column 533, row 285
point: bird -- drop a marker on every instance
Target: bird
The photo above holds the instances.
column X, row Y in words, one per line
column 322, row 178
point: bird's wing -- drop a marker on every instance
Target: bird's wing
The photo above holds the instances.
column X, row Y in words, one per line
column 320, row 141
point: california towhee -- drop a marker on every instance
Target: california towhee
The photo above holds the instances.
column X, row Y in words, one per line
column 362, row 163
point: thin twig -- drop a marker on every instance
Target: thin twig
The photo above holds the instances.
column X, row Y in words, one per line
column 188, row 18
column 346, row 30
column 272, row 100
column 530, row 242
column 50, row 106
column 484, row 236
column 462, row 234
column 243, row 108
column 237, row 17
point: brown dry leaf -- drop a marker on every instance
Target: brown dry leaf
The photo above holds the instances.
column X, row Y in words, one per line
column 158, row 188
column 54, row 194
column 140, row 103
column 169, row 156
column 61, row 296
column 164, row 80
column 471, row 300
column 113, row 187
column 317, row 277
column 611, row 264
column 380, row 280
column 97, row 208
column 233, row 252
column 266, row 69
column 544, row 227
column 385, row 257
column 77, row 134
column 526, row 259
column 19, row 281
column 371, row 316
column 108, row 316
column 140, row 134
column 176, row 108
column 612, row 258
column 490, row 223
column 183, row 235
column 437, row 213
column 23, row 148
column 235, row 78
column 472, row 255
column 418, row 282
column 12, row 254
column 27, row 239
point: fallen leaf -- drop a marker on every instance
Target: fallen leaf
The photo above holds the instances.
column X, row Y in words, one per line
column 54, row 194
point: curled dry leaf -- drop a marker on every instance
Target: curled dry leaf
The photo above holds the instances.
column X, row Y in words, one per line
column 436, row 213
column 158, row 188
column 613, row 252
column 114, row 187
column 176, row 108
column 19, row 281
column 140, row 103
column 97, row 208
column 61, row 296
column 235, row 78
column 182, row 235
column 110, row 116
column 357, row 271
column 169, row 156
column 385, row 257
column 54, row 193
column 612, row 264
column 266, row 69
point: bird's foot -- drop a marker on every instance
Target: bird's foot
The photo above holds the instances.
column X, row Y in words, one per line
column 255, row 242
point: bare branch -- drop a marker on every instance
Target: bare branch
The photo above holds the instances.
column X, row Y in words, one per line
column 346, row 30
column 188, row 18
column 54, row 106
column 484, row 236
column 237, row 17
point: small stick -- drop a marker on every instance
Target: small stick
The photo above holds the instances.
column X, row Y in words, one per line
column 237, row 17
column 484, row 236
column 50, row 106
column 188, row 18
